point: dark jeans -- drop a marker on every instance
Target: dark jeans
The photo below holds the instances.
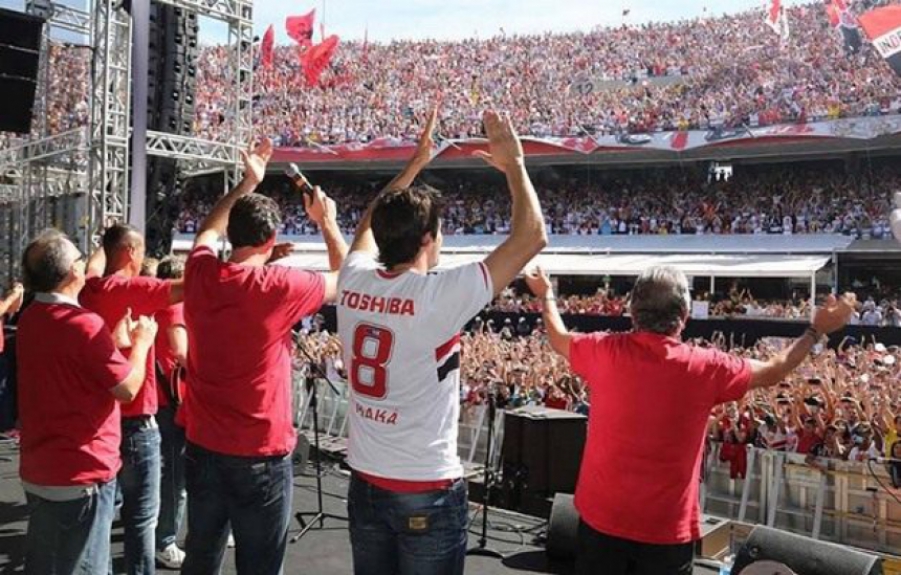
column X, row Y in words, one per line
column 172, row 478
column 139, row 480
column 70, row 537
column 599, row 553
column 407, row 533
column 254, row 494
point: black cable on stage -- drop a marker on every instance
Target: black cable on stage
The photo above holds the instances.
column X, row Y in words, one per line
column 879, row 481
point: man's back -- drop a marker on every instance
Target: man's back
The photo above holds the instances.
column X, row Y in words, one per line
column 651, row 396
column 111, row 297
column 402, row 351
column 239, row 321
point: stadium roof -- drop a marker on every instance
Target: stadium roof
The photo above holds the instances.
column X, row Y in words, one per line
column 774, row 256
column 819, row 244
column 703, row 265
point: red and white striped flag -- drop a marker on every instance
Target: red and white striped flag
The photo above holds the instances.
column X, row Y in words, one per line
column 883, row 27
column 777, row 19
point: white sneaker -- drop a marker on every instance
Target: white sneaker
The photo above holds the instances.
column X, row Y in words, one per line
column 231, row 541
column 171, row 557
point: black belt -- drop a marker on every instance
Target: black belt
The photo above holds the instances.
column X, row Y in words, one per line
column 138, row 422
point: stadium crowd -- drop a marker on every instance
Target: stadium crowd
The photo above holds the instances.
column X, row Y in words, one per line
column 693, row 74
column 819, row 198
column 701, row 73
column 841, row 404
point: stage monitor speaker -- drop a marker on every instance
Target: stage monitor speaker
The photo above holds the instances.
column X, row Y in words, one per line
column 20, row 50
column 563, row 528
column 802, row 555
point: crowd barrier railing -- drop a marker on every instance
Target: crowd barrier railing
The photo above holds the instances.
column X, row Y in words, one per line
column 850, row 503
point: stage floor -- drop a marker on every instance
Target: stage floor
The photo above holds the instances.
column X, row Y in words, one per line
column 321, row 552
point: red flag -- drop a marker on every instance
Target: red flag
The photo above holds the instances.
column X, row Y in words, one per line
column 883, row 27
column 845, row 23
column 300, row 28
column 267, row 46
column 317, row 58
column 777, row 19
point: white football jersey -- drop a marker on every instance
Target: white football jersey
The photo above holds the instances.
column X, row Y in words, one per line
column 401, row 338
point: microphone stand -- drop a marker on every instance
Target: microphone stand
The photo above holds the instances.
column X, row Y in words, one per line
column 319, row 515
column 482, row 549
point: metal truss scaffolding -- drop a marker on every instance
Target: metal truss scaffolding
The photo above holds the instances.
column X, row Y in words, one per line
column 91, row 165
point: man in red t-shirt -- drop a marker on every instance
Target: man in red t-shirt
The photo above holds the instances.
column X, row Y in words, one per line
column 240, row 432
column 638, row 492
column 70, row 376
column 171, row 349
column 114, row 286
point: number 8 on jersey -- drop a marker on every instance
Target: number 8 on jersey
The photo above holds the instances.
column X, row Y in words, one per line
column 372, row 346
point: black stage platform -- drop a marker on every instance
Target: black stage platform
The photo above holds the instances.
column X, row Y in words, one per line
column 325, row 552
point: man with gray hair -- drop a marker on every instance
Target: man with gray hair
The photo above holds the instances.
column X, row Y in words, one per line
column 651, row 398
column 71, row 374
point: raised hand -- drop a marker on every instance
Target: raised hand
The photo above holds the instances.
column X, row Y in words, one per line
column 538, row 282
column 506, row 149
column 281, row 251
column 320, row 207
column 835, row 313
column 122, row 331
column 426, row 143
column 255, row 161
column 143, row 330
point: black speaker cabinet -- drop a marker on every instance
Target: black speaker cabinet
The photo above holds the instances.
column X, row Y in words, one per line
column 542, row 449
column 802, row 555
column 20, row 50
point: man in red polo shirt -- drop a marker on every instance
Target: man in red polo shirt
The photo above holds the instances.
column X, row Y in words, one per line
column 171, row 348
column 638, row 493
column 70, row 376
column 239, row 315
column 113, row 287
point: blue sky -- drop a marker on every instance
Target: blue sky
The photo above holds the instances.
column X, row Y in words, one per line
column 455, row 19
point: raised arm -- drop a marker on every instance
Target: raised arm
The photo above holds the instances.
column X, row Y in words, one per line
column 216, row 223
column 527, row 234
column 363, row 240
column 322, row 211
column 13, row 300
column 557, row 334
column 833, row 316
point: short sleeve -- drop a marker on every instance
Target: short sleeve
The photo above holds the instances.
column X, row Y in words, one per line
column 155, row 294
column 356, row 262
column 457, row 295
column 99, row 359
column 199, row 258
column 729, row 375
column 584, row 349
column 305, row 293
column 172, row 316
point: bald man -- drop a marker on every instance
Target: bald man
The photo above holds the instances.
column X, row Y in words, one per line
column 113, row 286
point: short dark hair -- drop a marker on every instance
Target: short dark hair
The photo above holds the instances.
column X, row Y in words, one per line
column 253, row 221
column 117, row 237
column 399, row 220
column 171, row 268
column 45, row 261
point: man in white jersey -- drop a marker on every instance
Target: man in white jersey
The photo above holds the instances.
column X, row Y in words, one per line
column 399, row 324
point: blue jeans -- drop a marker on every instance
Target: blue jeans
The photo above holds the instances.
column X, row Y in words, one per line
column 254, row 494
column 172, row 478
column 139, row 480
column 70, row 537
column 407, row 533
